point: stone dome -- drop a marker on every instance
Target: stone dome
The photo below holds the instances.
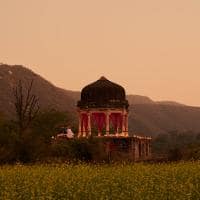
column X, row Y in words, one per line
column 103, row 94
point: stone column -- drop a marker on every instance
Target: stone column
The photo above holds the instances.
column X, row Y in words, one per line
column 140, row 148
column 79, row 129
column 136, row 150
column 89, row 125
column 149, row 148
column 143, row 148
column 126, row 124
column 133, row 149
column 107, row 123
column 84, row 131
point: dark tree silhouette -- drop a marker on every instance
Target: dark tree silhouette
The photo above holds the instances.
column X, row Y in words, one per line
column 26, row 105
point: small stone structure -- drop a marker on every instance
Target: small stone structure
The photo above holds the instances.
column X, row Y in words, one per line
column 103, row 113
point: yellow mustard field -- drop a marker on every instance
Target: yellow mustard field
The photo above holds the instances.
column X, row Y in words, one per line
column 85, row 181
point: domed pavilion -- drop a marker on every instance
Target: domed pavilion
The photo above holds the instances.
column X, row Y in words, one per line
column 103, row 106
column 103, row 113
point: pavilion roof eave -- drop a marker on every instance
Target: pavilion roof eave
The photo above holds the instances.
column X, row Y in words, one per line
column 101, row 109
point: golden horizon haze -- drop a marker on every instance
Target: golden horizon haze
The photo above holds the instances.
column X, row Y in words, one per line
column 152, row 48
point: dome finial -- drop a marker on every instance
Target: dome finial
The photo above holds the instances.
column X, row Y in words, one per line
column 103, row 78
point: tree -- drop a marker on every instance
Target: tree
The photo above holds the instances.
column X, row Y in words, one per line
column 26, row 105
column 26, row 108
column 49, row 122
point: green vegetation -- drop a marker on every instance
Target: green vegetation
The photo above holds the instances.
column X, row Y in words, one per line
column 35, row 142
column 84, row 181
column 176, row 146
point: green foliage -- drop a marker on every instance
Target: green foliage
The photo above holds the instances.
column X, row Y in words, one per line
column 175, row 154
column 178, row 181
column 79, row 150
column 192, row 152
column 73, row 150
column 35, row 142
column 177, row 146
column 47, row 123
column 8, row 141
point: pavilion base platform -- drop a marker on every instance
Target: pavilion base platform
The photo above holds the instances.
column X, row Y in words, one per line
column 126, row 148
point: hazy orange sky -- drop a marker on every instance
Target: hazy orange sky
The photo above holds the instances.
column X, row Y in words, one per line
column 151, row 47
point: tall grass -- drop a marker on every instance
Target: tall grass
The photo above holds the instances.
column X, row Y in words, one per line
column 84, row 181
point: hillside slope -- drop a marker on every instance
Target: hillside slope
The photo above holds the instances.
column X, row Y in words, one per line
column 49, row 95
column 156, row 119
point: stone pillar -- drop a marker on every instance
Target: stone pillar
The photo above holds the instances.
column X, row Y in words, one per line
column 133, row 149
column 107, row 123
column 136, row 150
column 149, row 148
column 140, row 148
column 143, row 148
column 79, row 129
column 84, row 131
column 126, row 124
column 89, row 125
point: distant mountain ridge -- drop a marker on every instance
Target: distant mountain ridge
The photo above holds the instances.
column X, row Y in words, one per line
column 146, row 116
column 138, row 99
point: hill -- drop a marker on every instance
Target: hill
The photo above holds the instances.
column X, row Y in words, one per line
column 49, row 95
column 160, row 118
column 146, row 116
